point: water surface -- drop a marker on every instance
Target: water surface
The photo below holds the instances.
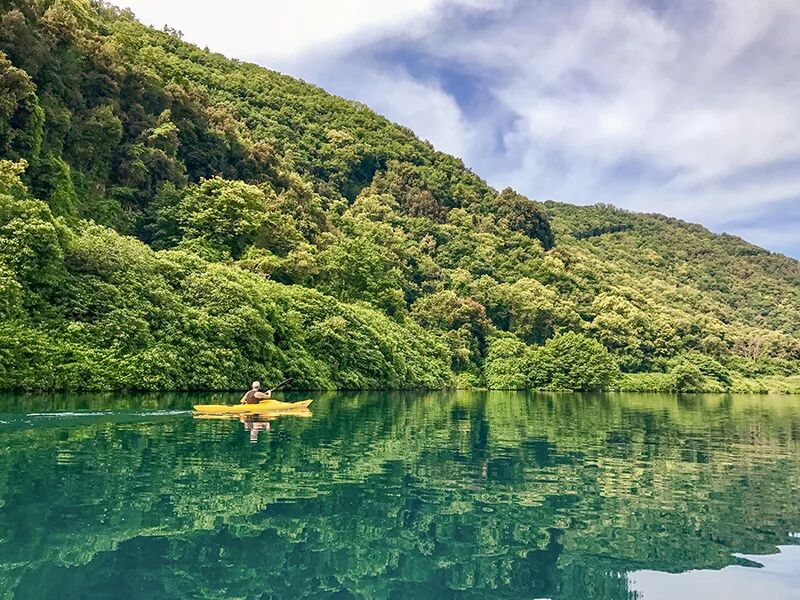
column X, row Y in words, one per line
column 390, row 495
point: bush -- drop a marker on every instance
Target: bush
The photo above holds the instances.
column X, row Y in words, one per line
column 130, row 318
column 645, row 382
column 687, row 377
column 507, row 365
column 573, row 361
column 695, row 372
column 709, row 367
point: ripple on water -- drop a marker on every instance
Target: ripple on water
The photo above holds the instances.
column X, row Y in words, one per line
column 382, row 495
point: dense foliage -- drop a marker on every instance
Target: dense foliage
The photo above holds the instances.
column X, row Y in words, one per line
column 291, row 231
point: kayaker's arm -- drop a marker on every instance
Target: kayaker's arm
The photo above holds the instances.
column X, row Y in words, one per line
column 264, row 395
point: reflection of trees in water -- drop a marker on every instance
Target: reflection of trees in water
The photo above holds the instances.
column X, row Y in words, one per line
column 423, row 496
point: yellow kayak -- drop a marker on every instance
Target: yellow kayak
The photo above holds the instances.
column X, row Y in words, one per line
column 263, row 407
column 267, row 416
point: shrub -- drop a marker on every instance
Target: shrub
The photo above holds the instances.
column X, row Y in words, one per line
column 507, row 365
column 687, row 377
column 645, row 382
column 573, row 361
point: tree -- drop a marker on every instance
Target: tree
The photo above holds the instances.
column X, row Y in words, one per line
column 11, row 178
column 694, row 372
column 357, row 268
column 687, row 377
column 574, row 361
column 21, row 116
column 526, row 308
column 520, row 214
column 31, row 240
column 415, row 195
column 462, row 319
column 508, row 364
column 228, row 214
column 93, row 141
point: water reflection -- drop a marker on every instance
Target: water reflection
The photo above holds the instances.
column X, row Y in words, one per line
column 254, row 425
column 777, row 576
column 393, row 495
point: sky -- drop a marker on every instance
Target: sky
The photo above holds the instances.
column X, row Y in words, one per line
column 689, row 108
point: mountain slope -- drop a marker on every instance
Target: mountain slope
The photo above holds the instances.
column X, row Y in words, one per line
column 295, row 232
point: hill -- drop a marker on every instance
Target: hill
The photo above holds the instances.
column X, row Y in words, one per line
column 173, row 219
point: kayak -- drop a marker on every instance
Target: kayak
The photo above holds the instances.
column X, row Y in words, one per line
column 263, row 407
column 267, row 416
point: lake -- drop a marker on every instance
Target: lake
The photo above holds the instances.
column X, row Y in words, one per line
column 401, row 495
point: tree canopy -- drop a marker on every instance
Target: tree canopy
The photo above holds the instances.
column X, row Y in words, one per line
column 145, row 183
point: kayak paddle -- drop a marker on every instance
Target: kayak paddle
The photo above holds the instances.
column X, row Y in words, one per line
column 281, row 384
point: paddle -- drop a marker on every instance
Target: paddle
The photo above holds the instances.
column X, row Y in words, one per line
column 281, row 384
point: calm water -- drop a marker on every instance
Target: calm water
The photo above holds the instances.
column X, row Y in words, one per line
column 473, row 495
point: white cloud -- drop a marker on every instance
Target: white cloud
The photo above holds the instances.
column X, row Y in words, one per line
column 435, row 115
column 277, row 29
column 655, row 93
column 688, row 104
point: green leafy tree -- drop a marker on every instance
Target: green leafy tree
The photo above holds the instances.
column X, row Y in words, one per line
column 508, row 364
column 31, row 241
column 687, row 377
column 357, row 268
column 227, row 214
column 93, row 142
column 526, row 308
column 574, row 361
column 520, row 214
column 463, row 320
column 11, row 179
column 21, row 116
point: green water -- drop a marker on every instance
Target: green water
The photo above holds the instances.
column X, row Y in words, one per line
column 441, row 495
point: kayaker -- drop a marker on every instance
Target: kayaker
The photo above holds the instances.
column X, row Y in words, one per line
column 255, row 395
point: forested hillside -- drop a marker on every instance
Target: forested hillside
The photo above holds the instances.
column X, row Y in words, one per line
column 172, row 219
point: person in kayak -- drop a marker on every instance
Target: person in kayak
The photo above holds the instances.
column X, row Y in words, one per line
column 255, row 395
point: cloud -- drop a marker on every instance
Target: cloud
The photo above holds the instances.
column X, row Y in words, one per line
column 687, row 108
column 612, row 82
column 435, row 115
column 276, row 30
column 692, row 113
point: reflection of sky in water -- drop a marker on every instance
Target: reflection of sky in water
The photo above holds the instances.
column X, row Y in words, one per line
column 779, row 579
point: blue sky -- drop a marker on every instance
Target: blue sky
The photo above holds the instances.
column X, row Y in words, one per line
column 689, row 108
